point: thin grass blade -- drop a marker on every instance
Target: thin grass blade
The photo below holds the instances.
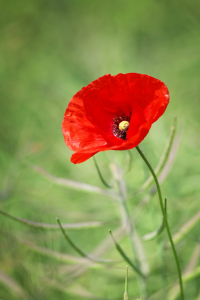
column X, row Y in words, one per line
column 186, row 228
column 72, row 290
column 40, row 225
column 13, row 286
column 75, row 184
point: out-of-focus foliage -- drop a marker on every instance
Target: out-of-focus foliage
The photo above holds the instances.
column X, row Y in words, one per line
column 49, row 50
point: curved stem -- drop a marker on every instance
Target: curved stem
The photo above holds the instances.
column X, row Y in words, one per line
column 164, row 157
column 124, row 255
column 152, row 235
column 79, row 250
column 100, row 175
column 130, row 160
column 165, row 220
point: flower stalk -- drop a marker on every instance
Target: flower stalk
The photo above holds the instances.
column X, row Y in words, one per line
column 165, row 220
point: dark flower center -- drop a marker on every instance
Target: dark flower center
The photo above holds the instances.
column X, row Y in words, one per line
column 120, row 126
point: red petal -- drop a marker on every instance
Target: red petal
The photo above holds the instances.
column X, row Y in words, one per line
column 78, row 158
column 101, row 108
column 151, row 94
column 138, row 137
column 88, row 120
column 79, row 132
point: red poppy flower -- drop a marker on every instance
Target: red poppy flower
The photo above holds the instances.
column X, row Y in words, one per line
column 113, row 113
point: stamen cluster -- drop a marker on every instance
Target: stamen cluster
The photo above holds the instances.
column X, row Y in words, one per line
column 115, row 127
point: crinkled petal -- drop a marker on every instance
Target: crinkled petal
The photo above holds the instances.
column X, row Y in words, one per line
column 135, row 140
column 79, row 132
column 101, row 114
column 88, row 120
column 151, row 94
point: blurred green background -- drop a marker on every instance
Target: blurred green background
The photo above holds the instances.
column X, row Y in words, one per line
column 49, row 50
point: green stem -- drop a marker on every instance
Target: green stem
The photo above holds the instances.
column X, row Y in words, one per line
column 100, row 175
column 126, row 285
column 165, row 220
column 124, row 255
column 130, row 160
column 164, row 157
column 77, row 249
column 152, row 235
